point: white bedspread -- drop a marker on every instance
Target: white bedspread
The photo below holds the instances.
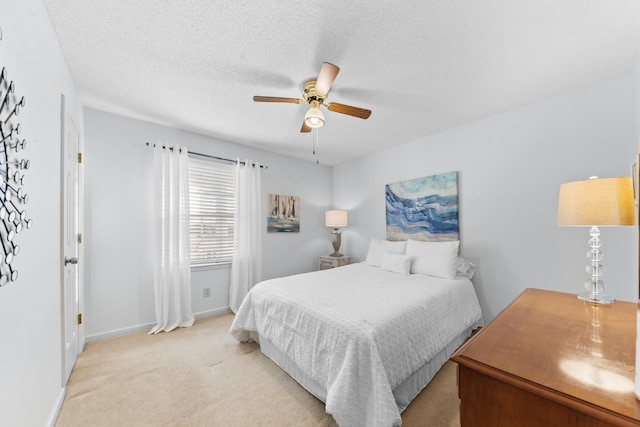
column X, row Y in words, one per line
column 359, row 331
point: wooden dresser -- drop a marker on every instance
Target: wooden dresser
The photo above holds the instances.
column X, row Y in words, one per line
column 550, row 359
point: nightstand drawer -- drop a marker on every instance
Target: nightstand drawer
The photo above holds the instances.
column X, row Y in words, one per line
column 325, row 262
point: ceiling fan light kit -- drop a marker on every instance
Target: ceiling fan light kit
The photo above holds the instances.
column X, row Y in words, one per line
column 314, row 117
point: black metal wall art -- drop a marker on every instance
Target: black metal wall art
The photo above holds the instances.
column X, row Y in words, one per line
column 13, row 165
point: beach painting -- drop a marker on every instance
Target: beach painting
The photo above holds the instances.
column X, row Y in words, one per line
column 283, row 214
column 423, row 208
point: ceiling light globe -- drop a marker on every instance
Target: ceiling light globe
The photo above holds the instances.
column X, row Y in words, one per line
column 314, row 118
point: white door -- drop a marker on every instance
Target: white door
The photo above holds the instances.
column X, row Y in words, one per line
column 70, row 243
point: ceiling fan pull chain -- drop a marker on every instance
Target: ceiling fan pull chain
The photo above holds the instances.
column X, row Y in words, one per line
column 315, row 139
column 315, row 144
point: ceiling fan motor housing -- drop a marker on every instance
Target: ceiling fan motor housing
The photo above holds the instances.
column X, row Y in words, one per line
column 309, row 92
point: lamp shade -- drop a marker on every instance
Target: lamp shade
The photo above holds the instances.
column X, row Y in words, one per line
column 336, row 219
column 597, row 202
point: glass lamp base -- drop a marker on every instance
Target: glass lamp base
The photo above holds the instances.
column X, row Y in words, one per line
column 594, row 286
column 596, row 299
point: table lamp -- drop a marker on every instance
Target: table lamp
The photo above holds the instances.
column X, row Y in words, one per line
column 594, row 203
column 336, row 219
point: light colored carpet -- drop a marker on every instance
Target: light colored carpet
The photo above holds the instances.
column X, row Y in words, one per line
column 201, row 376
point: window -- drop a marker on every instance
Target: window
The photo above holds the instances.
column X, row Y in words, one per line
column 211, row 205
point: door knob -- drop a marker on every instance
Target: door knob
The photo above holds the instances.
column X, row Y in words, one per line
column 72, row 260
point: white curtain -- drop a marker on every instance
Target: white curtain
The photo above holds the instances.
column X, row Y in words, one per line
column 246, row 267
column 172, row 270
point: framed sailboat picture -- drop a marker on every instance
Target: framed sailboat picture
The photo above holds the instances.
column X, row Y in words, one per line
column 283, row 214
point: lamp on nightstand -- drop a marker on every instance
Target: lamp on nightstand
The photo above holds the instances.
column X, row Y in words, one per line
column 594, row 203
column 336, row 219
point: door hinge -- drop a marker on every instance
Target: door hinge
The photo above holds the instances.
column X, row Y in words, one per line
column 79, row 157
column 79, row 237
column 79, row 318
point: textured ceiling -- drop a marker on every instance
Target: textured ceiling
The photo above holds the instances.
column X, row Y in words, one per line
column 421, row 66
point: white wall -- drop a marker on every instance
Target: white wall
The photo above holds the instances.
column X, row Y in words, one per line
column 635, row 76
column 510, row 168
column 30, row 339
column 119, row 273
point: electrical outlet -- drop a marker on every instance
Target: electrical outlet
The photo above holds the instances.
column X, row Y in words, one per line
column 206, row 292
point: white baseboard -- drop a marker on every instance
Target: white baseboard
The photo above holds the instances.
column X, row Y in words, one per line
column 56, row 409
column 118, row 332
column 213, row 312
column 147, row 326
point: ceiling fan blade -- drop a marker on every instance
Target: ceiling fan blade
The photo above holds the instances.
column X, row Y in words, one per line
column 349, row 110
column 326, row 76
column 305, row 128
column 277, row 99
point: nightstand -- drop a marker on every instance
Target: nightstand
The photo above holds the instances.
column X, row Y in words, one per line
column 325, row 261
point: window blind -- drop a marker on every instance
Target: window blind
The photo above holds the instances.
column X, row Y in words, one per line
column 212, row 205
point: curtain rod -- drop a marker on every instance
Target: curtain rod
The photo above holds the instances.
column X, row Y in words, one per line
column 211, row 157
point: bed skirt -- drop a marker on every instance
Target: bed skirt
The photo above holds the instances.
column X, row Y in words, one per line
column 404, row 393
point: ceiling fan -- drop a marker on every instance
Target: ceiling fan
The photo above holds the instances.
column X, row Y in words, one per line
column 314, row 93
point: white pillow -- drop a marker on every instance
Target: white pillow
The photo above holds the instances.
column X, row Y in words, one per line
column 377, row 249
column 396, row 263
column 396, row 247
column 434, row 258
column 374, row 255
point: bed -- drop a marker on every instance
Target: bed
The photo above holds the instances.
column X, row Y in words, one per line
column 363, row 338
